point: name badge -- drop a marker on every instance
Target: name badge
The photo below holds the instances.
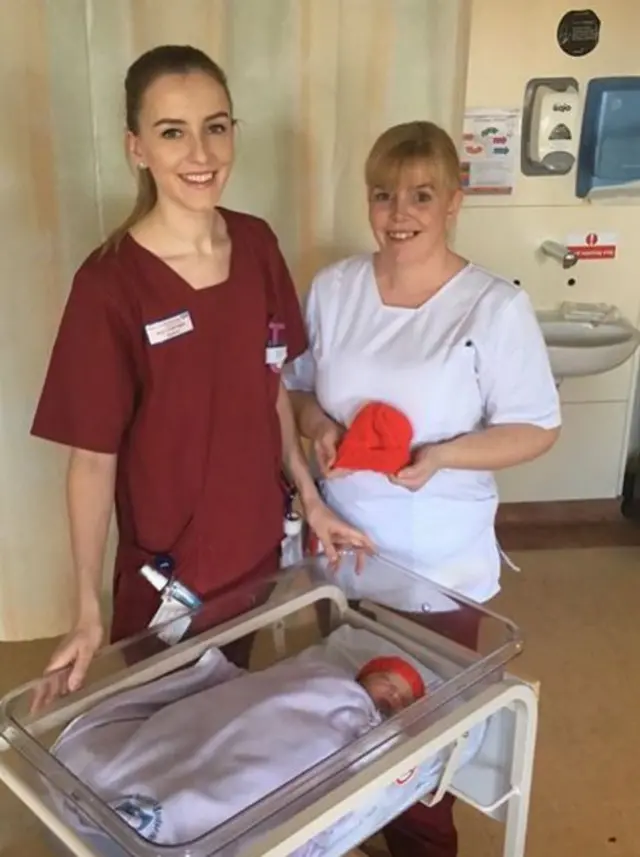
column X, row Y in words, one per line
column 276, row 356
column 168, row 328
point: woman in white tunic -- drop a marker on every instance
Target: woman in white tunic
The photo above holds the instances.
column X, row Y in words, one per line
column 460, row 352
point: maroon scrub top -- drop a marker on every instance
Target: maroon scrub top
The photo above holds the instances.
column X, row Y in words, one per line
column 192, row 419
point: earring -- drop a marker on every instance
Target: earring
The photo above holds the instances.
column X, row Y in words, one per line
column 141, row 165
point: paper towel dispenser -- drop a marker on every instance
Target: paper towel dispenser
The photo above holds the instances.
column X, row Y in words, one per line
column 609, row 152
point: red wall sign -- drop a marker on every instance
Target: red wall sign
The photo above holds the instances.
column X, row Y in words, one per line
column 593, row 245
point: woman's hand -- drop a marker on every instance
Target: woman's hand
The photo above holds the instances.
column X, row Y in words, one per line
column 492, row 448
column 426, row 463
column 334, row 534
column 76, row 652
column 326, row 441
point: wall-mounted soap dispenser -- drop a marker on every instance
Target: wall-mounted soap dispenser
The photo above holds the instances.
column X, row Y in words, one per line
column 609, row 154
column 550, row 126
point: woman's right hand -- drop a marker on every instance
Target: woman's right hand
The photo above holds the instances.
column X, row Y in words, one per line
column 325, row 446
column 74, row 653
column 77, row 651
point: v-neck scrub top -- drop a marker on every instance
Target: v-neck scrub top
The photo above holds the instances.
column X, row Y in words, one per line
column 472, row 356
column 192, row 419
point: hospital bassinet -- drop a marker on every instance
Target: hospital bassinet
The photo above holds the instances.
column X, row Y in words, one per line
column 473, row 734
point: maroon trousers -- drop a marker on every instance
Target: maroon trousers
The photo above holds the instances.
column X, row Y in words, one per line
column 424, row 831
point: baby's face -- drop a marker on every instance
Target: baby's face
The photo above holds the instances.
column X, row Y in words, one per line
column 389, row 691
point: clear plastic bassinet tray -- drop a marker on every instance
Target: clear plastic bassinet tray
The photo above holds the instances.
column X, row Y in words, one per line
column 187, row 794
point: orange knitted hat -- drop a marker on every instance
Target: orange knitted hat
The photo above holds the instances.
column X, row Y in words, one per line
column 378, row 439
column 394, row 664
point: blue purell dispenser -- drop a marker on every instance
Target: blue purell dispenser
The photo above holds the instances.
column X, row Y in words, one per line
column 609, row 154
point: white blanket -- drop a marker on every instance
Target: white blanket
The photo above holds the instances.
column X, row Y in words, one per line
column 180, row 756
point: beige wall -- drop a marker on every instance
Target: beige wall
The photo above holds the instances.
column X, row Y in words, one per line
column 313, row 80
column 511, row 42
column 43, row 230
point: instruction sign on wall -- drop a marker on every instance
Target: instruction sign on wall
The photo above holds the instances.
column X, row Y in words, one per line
column 489, row 148
column 593, row 245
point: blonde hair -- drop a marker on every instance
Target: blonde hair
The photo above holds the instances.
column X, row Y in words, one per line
column 413, row 144
column 146, row 198
column 161, row 60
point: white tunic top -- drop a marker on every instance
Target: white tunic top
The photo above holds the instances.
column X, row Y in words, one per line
column 471, row 356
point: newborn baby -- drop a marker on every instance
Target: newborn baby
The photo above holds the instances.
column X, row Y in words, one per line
column 392, row 683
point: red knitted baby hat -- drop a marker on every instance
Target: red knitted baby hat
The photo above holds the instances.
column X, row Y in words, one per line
column 394, row 664
column 379, row 439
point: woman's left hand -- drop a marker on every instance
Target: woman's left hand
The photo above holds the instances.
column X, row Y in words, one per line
column 334, row 534
column 426, row 463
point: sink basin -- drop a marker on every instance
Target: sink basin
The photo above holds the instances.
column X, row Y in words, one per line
column 581, row 347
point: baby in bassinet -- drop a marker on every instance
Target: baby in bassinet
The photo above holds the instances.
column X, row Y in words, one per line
column 178, row 757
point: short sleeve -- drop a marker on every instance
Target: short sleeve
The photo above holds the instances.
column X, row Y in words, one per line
column 300, row 374
column 514, row 370
column 89, row 391
column 287, row 301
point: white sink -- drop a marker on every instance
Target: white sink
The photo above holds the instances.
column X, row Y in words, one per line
column 579, row 347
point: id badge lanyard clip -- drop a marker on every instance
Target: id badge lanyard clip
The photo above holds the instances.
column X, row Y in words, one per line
column 176, row 599
column 276, row 350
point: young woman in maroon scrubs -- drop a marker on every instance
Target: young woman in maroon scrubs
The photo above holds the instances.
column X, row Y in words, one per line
column 159, row 379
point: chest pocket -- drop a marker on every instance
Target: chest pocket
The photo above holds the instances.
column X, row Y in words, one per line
column 453, row 401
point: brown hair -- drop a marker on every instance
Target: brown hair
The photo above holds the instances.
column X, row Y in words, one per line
column 410, row 144
column 159, row 61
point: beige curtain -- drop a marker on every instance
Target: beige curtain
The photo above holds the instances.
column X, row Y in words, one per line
column 314, row 81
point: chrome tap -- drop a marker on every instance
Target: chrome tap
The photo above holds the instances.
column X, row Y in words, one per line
column 559, row 252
